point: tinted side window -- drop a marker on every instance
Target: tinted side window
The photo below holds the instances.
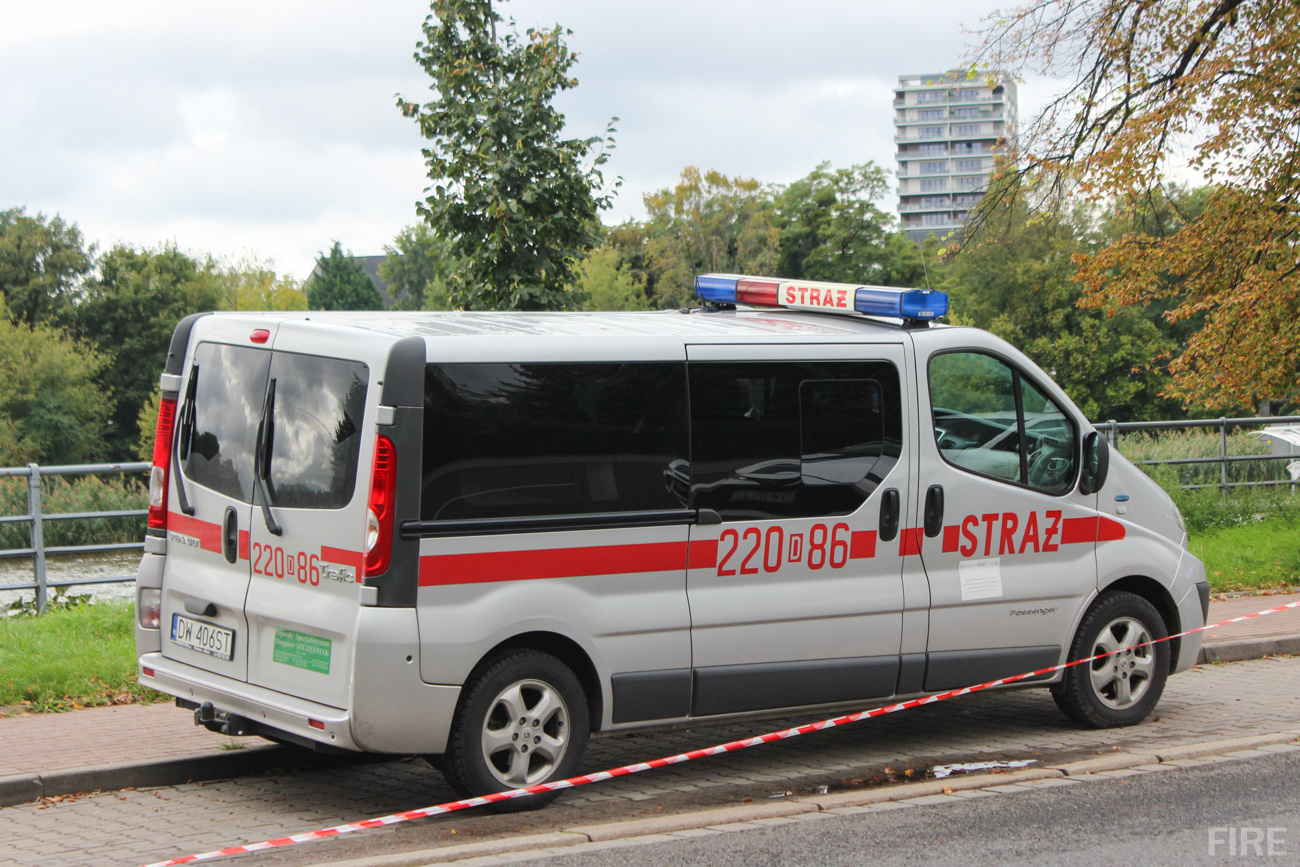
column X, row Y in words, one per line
column 991, row 420
column 217, row 449
column 791, row 439
column 524, row 440
column 315, row 430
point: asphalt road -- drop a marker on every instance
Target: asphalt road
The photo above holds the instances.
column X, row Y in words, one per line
column 1215, row 814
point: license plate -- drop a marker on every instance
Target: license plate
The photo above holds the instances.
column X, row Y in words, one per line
column 203, row 637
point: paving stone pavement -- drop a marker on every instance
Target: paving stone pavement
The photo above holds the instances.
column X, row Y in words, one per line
column 138, row 826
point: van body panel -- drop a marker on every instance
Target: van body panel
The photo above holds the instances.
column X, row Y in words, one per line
column 480, row 591
column 391, row 709
column 811, row 601
column 305, row 589
column 1009, row 567
column 208, row 566
column 696, row 600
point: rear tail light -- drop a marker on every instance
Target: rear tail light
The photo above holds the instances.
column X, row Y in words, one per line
column 160, row 475
column 149, row 607
column 379, row 516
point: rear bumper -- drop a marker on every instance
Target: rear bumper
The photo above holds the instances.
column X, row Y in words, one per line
column 392, row 710
column 267, row 708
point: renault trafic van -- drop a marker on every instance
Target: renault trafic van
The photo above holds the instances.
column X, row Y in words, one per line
column 484, row 537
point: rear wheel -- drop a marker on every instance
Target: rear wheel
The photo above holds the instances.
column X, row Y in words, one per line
column 1120, row 689
column 522, row 722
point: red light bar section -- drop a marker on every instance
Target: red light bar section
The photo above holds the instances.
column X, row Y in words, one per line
column 761, row 293
column 260, row 335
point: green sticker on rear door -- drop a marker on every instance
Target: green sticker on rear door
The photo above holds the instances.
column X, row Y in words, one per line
column 302, row 650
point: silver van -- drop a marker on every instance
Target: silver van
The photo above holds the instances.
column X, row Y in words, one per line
column 484, row 537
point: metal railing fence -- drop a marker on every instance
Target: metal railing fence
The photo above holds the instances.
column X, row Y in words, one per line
column 36, row 517
column 1112, row 429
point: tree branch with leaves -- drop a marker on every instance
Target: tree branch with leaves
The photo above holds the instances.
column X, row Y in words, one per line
column 1214, row 84
column 517, row 201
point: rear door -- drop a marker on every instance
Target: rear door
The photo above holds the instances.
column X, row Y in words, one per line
column 207, row 571
column 796, row 599
column 305, row 588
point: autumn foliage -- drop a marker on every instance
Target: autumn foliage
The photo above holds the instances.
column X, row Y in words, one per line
column 1213, row 85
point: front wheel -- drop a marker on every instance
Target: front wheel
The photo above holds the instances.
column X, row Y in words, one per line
column 1123, row 688
column 522, row 722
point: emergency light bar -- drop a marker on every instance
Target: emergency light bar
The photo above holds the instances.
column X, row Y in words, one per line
column 915, row 305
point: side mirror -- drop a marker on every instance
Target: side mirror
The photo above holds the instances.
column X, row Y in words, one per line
column 1096, row 463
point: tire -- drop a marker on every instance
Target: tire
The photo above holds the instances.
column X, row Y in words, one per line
column 523, row 720
column 1118, row 690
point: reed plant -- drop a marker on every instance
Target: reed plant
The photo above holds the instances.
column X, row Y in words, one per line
column 70, row 495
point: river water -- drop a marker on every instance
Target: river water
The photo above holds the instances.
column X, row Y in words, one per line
column 109, row 565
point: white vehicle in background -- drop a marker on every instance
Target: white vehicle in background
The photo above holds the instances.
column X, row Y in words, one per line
column 485, row 536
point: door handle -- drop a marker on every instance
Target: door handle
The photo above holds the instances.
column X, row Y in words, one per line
column 889, row 515
column 200, row 607
column 934, row 510
column 230, row 535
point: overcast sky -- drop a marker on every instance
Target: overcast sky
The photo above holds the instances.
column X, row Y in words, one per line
column 268, row 129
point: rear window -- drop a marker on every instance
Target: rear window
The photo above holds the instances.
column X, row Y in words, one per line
column 218, row 445
column 531, row 440
column 315, row 432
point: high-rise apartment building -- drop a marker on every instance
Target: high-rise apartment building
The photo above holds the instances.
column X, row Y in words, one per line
column 948, row 128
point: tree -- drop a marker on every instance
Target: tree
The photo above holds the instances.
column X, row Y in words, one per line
column 42, row 261
column 1152, row 79
column 709, row 223
column 418, row 269
column 610, row 284
column 253, row 285
column 51, row 406
column 513, row 197
column 1017, row 280
column 128, row 312
column 339, row 283
column 830, row 226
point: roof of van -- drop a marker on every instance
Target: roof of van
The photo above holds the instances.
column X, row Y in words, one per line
column 686, row 324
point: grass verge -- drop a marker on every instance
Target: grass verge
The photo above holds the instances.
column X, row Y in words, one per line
column 1257, row 556
column 63, row 660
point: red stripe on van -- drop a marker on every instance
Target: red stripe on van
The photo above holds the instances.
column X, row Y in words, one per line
column 951, row 538
column 243, row 544
column 441, row 569
column 341, row 556
column 703, row 554
column 209, row 535
column 1098, row 529
column 909, row 541
column 862, row 545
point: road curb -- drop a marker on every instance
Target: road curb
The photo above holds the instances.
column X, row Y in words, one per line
column 21, row 789
column 1249, row 648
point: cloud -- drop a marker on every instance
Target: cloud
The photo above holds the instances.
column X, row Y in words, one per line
column 271, row 128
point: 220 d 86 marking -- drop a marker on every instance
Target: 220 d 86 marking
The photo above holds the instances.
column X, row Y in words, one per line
column 273, row 562
column 824, row 547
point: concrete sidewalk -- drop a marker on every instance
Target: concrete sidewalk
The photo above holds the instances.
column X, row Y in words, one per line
column 46, row 755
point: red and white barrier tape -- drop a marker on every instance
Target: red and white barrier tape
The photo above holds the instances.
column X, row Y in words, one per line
column 583, row 780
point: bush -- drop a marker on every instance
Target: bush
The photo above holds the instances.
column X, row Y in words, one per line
column 76, row 494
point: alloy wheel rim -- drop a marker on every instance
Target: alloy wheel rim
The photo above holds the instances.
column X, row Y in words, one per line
column 526, row 733
column 1122, row 679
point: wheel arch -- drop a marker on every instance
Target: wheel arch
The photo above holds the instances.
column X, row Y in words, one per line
column 568, row 652
column 1158, row 595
